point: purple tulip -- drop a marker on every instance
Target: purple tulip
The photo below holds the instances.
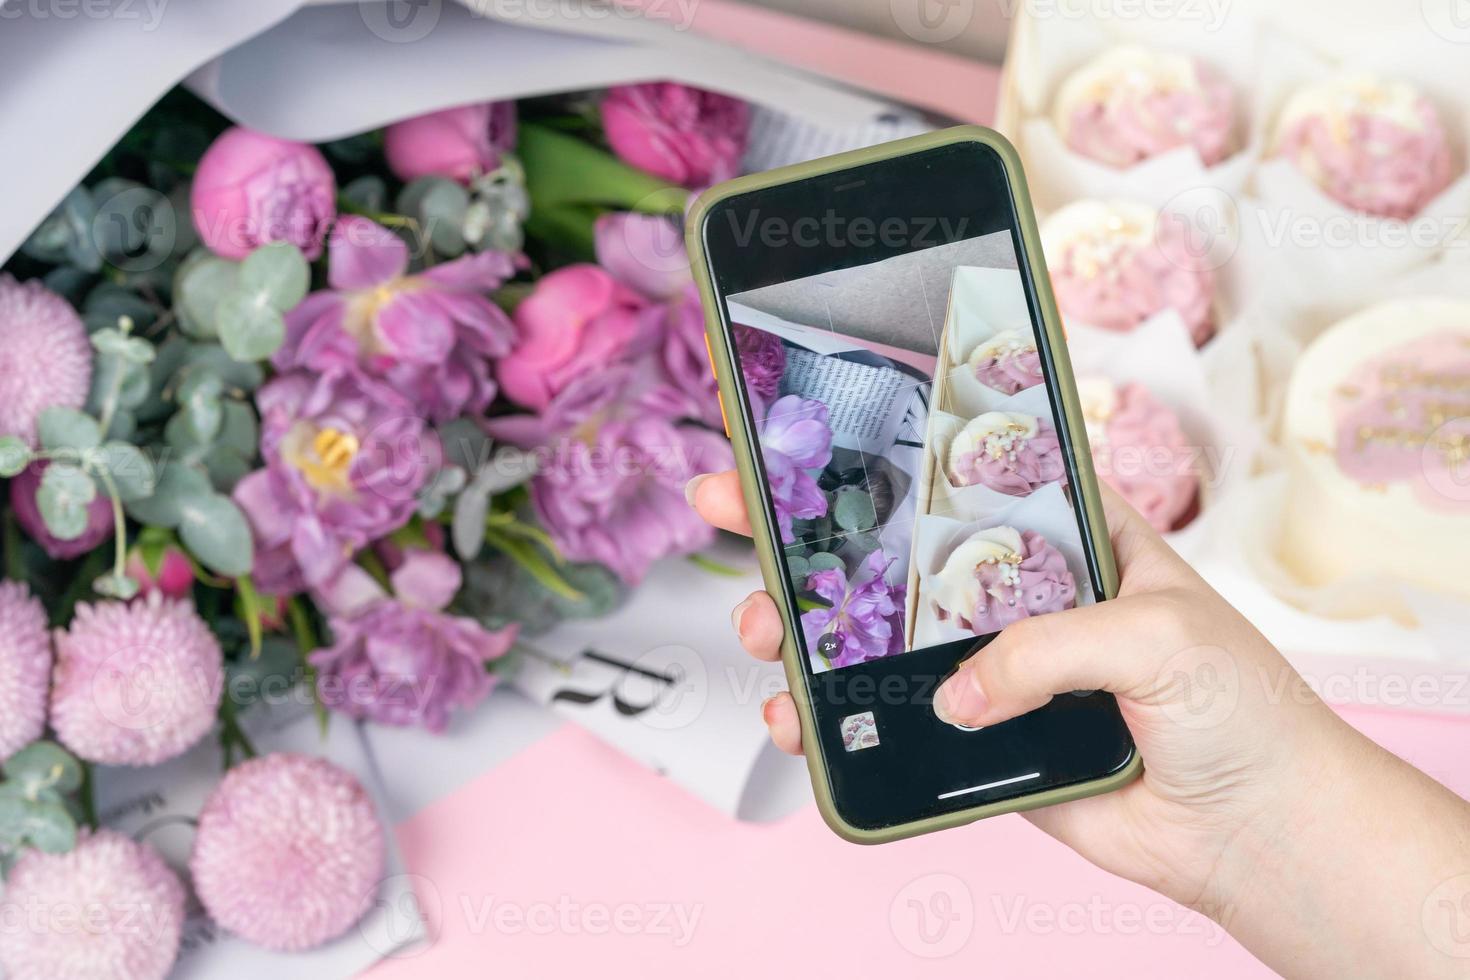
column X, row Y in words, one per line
column 864, row 615
column 795, row 439
column 402, row 660
column 430, row 336
column 345, row 459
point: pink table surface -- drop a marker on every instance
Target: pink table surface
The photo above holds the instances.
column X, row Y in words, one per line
column 570, row 860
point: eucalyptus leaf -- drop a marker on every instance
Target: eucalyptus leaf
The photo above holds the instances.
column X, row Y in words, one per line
column 239, row 432
column 15, row 456
column 225, row 468
column 853, row 509
column 798, row 568
column 825, row 561
column 467, row 528
column 279, row 272
column 111, row 302
column 250, row 328
column 65, row 493
column 177, row 485
column 202, row 410
column 65, row 235
column 49, row 827
column 499, row 591
column 216, row 532
column 114, row 342
column 132, row 471
column 202, row 281
column 212, row 359
column 59, row 427
column 135, row 227
column 44, row 764
column 115, row 586
column 368, row 193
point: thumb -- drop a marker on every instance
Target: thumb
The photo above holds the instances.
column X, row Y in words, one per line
column 1121, row 646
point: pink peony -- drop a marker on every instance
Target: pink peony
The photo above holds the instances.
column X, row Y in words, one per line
column 683, row 134
column 345, row 459
column 109, row 909
column 1140, row 450
column 402, row 660
column 460, row 143
column 28, row 514
column 45, row 357
column 1000, row 575
column 135, row 684
column 289, row 852
column 1008, row 452
column 578, row 320
column 1114, row 265
column 25, row 668
column 171, row 574
column 430, row 336
column 252, row 189
column 762, row 359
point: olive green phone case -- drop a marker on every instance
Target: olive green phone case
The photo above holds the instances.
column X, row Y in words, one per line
column 742, row 437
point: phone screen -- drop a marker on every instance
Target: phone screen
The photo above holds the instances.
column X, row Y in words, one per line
column 919, row 477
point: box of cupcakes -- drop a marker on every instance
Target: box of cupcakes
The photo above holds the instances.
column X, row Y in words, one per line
column 1259, row 246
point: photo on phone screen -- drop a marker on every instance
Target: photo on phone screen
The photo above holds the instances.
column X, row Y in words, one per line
column 911, row 450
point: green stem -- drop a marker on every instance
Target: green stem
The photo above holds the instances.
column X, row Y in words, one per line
column 119, row 526
column 231, row 735
column 86, row 796
column 710, row 565
column 306, row 642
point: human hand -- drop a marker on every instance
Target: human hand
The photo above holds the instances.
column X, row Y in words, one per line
column 1240, row 757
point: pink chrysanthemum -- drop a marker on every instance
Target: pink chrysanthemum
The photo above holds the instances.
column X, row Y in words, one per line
column 289, row 852
column 136, row 684
column 109, row 908
column 45, row 357
column 25, row 668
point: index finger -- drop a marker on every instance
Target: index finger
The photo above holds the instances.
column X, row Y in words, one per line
column 718, row 499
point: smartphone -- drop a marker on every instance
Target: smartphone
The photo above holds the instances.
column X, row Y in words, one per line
column 896, row 385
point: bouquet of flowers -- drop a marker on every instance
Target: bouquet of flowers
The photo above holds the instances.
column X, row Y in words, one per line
column 356, row 416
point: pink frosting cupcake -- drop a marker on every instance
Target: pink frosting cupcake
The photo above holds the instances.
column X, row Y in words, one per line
column 1140, row 450
column 1000, row 575
column 1374, row 145
column 1008, row 452
column 1114, row 264
column 1007, row 362
column 1130, row 104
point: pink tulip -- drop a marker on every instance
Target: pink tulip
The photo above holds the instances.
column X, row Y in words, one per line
column 252, row 189
column 683, row 134
column 459, row 143
column 576, row 321
column 170, row 574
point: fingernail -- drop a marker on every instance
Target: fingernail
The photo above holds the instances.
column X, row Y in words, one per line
column 960, row 698
column 692, row 487
column 738, row 613
column 766, row 709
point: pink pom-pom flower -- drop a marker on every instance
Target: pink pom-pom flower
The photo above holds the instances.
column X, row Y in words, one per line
column 25, row 668
column 136, row 684
column 252, row 189
column 110, row 909
column 45, row 357
column 289, row 852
